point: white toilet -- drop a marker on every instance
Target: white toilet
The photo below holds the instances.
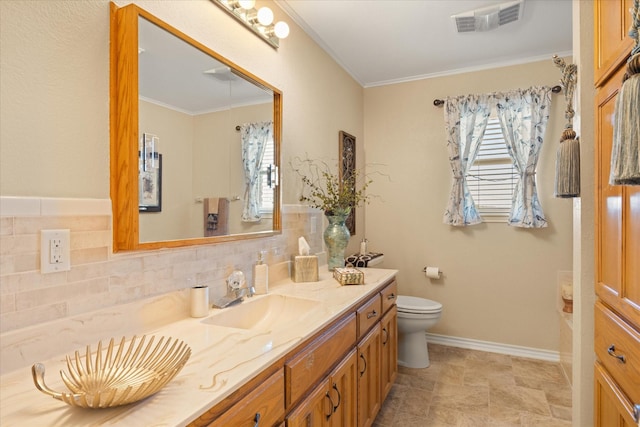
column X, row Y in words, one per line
column 415, row 316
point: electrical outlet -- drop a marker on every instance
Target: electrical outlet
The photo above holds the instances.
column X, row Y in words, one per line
column 55, row 251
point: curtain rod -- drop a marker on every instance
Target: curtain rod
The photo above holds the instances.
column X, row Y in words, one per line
column 440, row 102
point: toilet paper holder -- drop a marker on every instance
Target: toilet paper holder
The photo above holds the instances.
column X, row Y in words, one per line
column 430, row 271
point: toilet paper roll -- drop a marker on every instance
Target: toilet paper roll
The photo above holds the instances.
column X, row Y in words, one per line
column 432, row 272
column 199, row 301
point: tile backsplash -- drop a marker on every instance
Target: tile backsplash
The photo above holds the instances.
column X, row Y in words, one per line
column 100, row 279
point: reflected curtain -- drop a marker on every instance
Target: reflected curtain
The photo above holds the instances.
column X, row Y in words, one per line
column 254, row 141
column 523, row 116
column 466, row 118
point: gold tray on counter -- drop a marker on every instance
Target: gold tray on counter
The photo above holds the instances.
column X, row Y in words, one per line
column 120, row 375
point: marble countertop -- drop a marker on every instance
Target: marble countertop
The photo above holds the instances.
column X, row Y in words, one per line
column 222, row 360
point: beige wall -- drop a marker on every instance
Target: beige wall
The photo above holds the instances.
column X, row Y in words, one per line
column 55, row 91
column 54, row 142
column 202, row 157
column 173, row 130
column 584, row 219
column 499, row 282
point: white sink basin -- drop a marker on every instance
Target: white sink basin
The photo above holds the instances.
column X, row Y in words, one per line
column 263, row 312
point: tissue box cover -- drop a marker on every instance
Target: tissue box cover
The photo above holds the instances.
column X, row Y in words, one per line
column 348, row 276
column 305, row 268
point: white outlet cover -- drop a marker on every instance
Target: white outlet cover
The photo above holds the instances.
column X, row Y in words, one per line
column 64, row 256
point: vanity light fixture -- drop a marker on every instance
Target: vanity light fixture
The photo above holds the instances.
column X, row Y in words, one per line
column 260, row 21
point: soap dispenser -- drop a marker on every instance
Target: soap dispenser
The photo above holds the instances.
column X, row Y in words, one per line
column 261, row 275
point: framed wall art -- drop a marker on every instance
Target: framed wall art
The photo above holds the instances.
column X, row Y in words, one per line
column 347, row 168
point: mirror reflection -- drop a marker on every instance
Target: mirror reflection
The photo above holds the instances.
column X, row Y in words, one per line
column 194, row 140
column 214, row 131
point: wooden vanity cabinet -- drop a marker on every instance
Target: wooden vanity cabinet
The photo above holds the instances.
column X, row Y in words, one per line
column 338, row 378
column 377, row 352
column 369, row 377
column 311, row 363
column 389, row 349
column 389, row 338
column 333, row 402
column 617, row 236
column 263, row 406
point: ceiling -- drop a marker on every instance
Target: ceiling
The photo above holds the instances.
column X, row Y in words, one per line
column 388, row 41
column 176, row 75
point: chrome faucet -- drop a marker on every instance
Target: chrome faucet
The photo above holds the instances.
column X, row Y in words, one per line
column 237, row 286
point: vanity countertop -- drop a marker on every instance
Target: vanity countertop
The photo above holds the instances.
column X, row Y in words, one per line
column 222, row 360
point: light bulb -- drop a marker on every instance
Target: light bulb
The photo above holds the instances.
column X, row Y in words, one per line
column 247, row 4
column 281, row 30
column 265, row 16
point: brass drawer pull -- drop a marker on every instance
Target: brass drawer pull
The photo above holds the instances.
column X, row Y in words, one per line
column 391, row 296
column 372, row 314
column 612, row 352
column 331, row 406
column 335, row 407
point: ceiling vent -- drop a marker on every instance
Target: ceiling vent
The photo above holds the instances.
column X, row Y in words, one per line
column 490, row 17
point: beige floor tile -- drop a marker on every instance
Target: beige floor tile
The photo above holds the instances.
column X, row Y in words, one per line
column 526, row 399
column 538, row 369
column 469, row 388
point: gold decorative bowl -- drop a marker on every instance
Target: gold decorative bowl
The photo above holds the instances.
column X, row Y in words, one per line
column 133, row 372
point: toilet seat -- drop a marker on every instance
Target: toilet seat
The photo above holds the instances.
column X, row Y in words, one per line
column 416, row 305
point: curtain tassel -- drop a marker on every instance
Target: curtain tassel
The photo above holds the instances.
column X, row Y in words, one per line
column 568, row 165
column 625, row 153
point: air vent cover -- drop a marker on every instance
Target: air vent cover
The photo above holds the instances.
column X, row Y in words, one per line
column 488, row 18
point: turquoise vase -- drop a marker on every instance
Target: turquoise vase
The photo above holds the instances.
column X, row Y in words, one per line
column 336, row 237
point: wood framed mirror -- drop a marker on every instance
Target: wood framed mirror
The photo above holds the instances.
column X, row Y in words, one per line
column 158, row 78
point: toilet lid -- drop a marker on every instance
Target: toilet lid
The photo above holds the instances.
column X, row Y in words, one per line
column 408, row 304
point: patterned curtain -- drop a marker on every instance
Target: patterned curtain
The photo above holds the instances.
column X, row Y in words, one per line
column 523, row 116
column 465, row 118
column 254, row 140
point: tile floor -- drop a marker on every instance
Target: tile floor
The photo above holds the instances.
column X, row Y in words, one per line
column 479, row 389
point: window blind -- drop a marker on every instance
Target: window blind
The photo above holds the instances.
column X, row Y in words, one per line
column 492, row 177
column 267, row 193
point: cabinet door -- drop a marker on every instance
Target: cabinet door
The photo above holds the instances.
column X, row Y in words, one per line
column 314, row 361
column 611, row 407
column 389, row 351
column 343, row 384
column 369, row 377
column 617, row 219
column 631, row 273
column 264, row 406
column 612, row 44
column 608, row 200
column 314, row 411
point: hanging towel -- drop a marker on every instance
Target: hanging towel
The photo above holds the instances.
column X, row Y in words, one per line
column 216, row 216
column 213, row 205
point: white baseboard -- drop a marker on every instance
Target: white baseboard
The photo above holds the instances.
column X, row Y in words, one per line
column 511, row 350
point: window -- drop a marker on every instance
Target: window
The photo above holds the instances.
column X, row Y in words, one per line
column 492, row 177
column 267, row 192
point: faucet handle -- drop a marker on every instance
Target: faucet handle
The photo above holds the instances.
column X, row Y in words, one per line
column 251, row 291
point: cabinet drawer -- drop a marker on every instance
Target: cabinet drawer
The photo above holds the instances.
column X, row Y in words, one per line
column 389, row 296
column 617, row 347
column 265, row 403
column 314, row 361
column 369, row 314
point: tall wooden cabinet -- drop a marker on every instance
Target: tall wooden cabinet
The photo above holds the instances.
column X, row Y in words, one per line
column 617, row 237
